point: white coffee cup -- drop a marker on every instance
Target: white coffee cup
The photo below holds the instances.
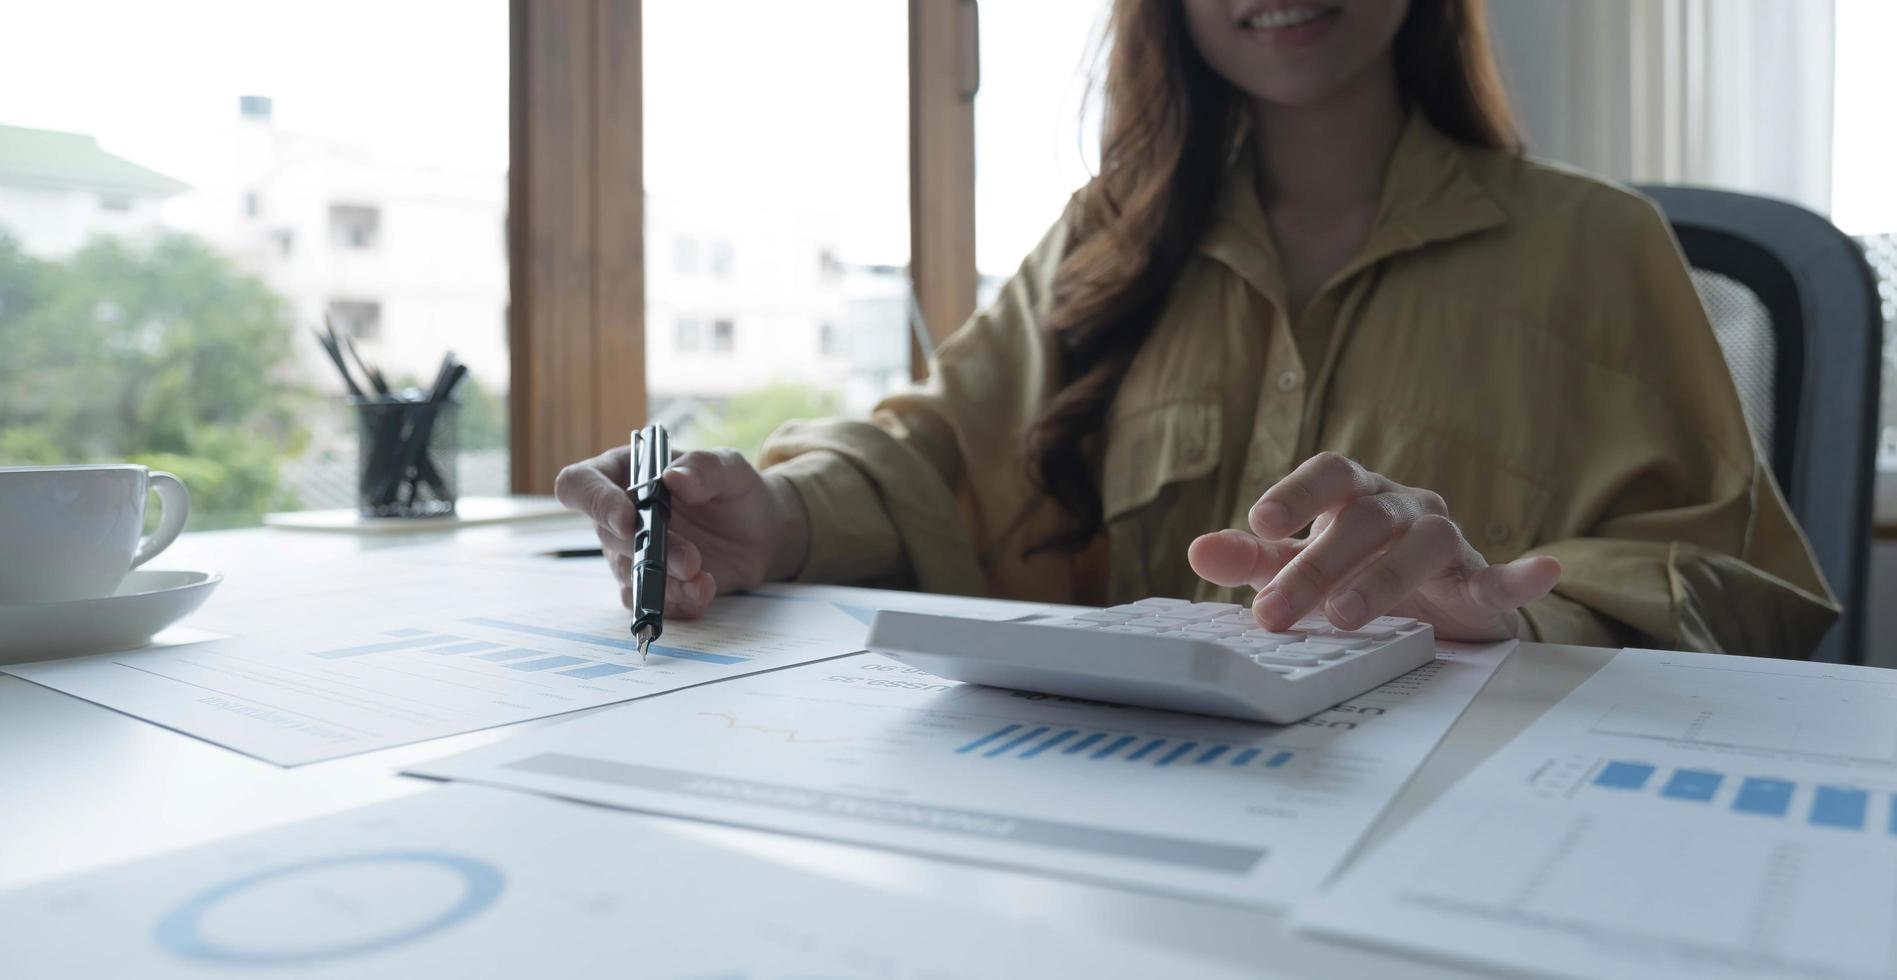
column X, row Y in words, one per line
column 73, row 532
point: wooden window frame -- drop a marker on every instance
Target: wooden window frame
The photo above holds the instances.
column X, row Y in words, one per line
column 576, row 215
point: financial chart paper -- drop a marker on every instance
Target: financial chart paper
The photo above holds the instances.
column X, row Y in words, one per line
column 1677, row 815
column 466, row 882
column 870, row 751
column 361, row 682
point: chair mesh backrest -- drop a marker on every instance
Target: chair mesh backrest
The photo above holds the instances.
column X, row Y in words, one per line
column 1881, row 251
column 1743, row 327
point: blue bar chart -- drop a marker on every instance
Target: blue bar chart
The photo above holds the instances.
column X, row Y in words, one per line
column 1692, row 784
column 410, row 641
column 1767, row 797
column 523, row 659
column 1835, row 807
column 1624, row 775
column 1020, row 741
column 622, row 644
column 597, row 670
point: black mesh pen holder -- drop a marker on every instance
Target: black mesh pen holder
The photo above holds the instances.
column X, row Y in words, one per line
column 406, row 457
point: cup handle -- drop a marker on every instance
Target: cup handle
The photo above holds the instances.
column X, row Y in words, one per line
column 174, row 508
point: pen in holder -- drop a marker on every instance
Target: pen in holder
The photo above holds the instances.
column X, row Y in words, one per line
column 406, row 465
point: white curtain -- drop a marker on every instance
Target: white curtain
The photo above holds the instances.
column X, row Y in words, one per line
column 1723, row 93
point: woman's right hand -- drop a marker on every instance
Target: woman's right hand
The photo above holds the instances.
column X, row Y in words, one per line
column 732, row 527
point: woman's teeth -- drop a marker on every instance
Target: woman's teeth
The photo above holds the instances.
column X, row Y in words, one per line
column 1272, row 19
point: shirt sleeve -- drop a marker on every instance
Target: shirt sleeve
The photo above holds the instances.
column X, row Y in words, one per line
column 888, row 498
column 1691, row 545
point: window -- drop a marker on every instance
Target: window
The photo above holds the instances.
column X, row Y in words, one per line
column 1863, row 198
column 357, row 318
column 829, row 343
column 354, row 225
column 822, row 230
column 1033, row 149
column 176, row 259
column 691, row 334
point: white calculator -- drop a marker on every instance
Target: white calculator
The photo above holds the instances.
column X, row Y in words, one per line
column 1204, row 657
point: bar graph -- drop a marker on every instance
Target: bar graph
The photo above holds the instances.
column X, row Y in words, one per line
column 1826, row 806
column 622, row 643
column 1838, row 806
column 412, row 641
column 515, row 653
column 547, row 663
column 1766, row 797
column 1022, row 741
column 524, row 659
column 473, row 646
column 1692, row 784
column 1624, row 775
column 597, row 670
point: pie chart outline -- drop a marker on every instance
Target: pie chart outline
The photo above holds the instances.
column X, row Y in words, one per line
column 179, row 931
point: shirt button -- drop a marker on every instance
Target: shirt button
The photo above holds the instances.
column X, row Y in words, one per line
column 1288, row 381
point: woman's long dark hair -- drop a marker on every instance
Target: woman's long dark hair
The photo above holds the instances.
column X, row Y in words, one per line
column 1171, row 124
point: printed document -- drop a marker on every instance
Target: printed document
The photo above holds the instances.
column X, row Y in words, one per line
column 870, row 751
column 1677, row 815
column 465, row 882
column 370, row 679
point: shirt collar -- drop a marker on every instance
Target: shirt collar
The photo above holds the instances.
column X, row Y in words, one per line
column 1430, row 194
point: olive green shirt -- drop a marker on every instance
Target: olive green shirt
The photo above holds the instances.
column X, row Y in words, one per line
column 1522, row 340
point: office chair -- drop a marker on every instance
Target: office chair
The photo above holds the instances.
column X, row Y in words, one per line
column 1795, row 309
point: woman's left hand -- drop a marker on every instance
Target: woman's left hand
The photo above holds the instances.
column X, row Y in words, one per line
column 1376, row 548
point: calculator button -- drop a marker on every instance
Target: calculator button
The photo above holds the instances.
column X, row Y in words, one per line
column 1158, row 624
column 1275, row 668
column 1342, row 641
column 1130, row 609
column 1368, row 634
column 1312, row 624
column 1308, row 649
column 1393, row 622
column 1178, row 635
column 1161, row 603
column 1281, row 638
column 1214, row 629
column 1218, row 607
column 1103, row 616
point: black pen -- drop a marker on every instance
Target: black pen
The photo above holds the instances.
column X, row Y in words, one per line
column 651, row 454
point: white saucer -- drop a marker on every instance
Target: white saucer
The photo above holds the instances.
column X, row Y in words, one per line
column 146, row 602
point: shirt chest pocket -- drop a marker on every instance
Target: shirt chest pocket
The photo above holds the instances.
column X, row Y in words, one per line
column 1155, row 468
column 1152, row 449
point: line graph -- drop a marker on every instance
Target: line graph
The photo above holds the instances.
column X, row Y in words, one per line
column 789, row 736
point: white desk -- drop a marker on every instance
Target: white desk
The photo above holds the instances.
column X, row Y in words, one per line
column 82, row 787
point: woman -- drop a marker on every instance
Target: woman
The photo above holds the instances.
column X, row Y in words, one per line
column 1316, row 265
